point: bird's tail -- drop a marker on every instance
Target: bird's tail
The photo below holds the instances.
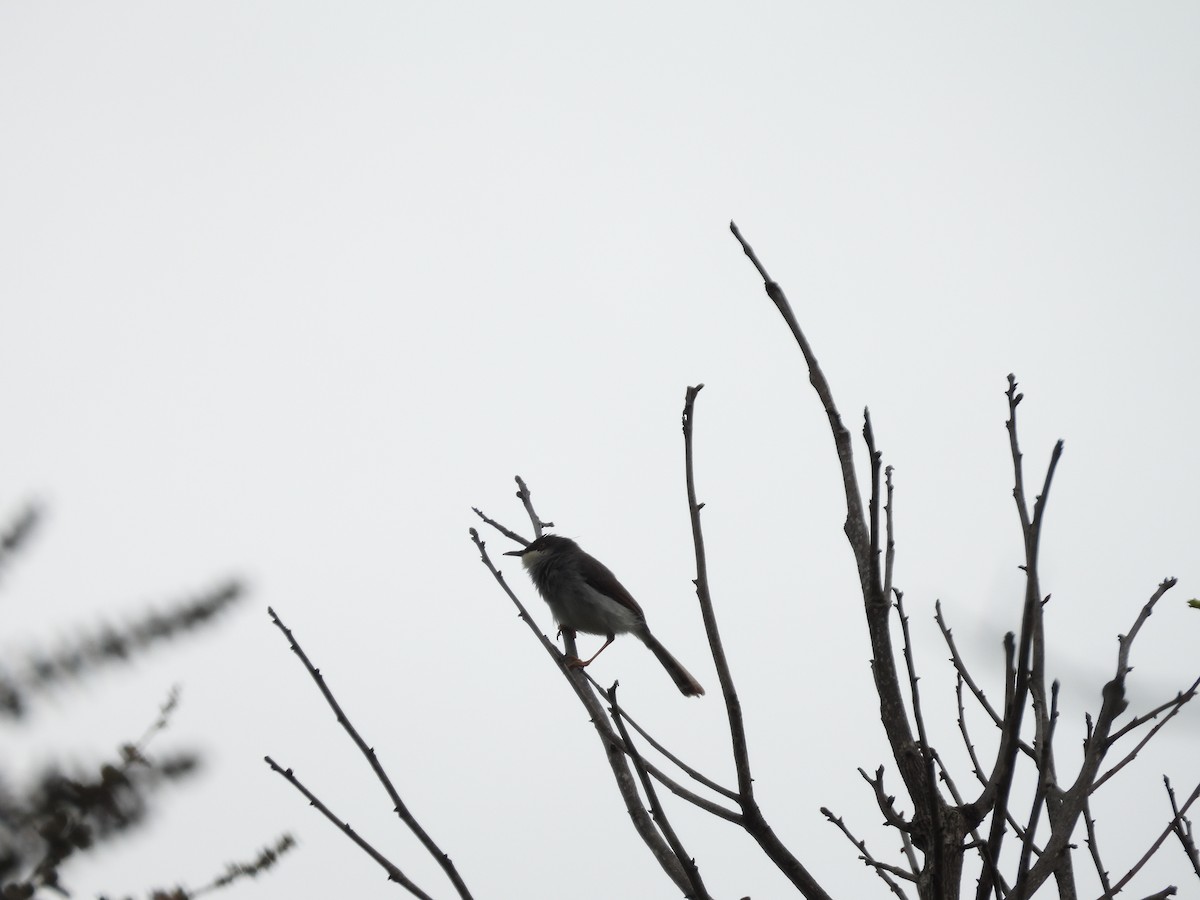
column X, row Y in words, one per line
column 683, row 679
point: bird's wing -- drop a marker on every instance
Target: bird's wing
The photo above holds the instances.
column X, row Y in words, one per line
column 600, row 578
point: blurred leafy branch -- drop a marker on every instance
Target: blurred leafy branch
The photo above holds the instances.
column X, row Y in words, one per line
column 48, row 818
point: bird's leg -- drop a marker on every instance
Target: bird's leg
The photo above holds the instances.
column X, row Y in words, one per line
column 574, row 662
column 568, row 635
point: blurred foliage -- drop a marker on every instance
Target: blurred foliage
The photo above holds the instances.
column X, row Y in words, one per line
column 46, row 820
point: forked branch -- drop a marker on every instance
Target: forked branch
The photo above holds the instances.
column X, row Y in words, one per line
column 753, row 819
column 864, row 537
column 368, row 752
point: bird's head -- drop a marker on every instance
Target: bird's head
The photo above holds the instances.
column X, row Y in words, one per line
column 544, row 549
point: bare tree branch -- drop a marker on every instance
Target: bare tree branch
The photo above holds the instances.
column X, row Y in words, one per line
column 699, row 892
column 1173, row 705
column 399, row 806
column 995, row 795
column 1162, row 895
column 940, row 822
column 1045, row 784
column 1170, row 829
column 1112, row 705
column 691, row 772
column 883, row 870
column 934, row 801
column 855, row 523
column 733, row 706
column 526, row 499
column 1125, row 641
column 754, row 821
column 961, row 668
column 1094, row 849
column 507, row 532
column 1183, row 829
column 885, row 801
column 976, row 765
column 862, row 538
column 892, row 816
column 394, row 872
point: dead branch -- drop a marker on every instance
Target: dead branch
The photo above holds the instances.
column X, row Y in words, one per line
column 394, row 872
column 1183, row 829
column 699, row 892
column 753, row 819
column 1170, row 829
column 887, row 872
column 368, row 752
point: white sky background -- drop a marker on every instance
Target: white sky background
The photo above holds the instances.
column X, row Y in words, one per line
column 288, row 287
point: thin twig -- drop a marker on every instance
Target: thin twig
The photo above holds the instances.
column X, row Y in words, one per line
column 1126, row 640
column 892, row 816
column 913, row 678
column 976, row 765
column 887, row 679
column 699, row 892
column 1166, row 892
column 526, row 499
column 1114, row 693
column 855, row 523
column 1132, row 754
column 507, row 532
column 934, row 803
column 1094, row 849
column 442, row 858
column 885, row 801
column 995, row 796
column 394, row 873
column 1183, row 829
column 961, row 668
column 933, row 799
column 1096, row 745
column 882, row 869
column 889, row 555
column 875, row 457
column 1044, row 784
column 691, row 772
column 1170, row 829
column 665, row 780
column 1173, row 705
column 754, row 821
column 733, row 705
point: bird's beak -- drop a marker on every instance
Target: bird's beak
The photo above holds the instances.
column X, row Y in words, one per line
column 520, row 552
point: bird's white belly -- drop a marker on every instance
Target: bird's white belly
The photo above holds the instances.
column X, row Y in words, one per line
column 591, row 612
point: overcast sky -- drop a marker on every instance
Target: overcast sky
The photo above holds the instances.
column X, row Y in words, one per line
column 288, row 287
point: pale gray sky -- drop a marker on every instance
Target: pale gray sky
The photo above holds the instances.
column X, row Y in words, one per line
column 288, row 287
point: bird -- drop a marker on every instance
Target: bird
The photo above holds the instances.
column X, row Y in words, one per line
column 584, row 595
